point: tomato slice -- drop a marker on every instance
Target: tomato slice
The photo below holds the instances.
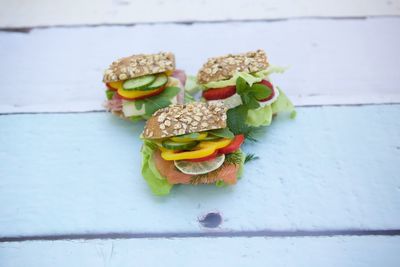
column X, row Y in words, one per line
column 233, row 146
column 136, row 95
column 270, row 86
column 210, row 157
column 219, row 93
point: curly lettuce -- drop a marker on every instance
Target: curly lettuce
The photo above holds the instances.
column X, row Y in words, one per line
column 250, row 78
column 262, row 116
column 157, row 183
column 191, row 85
column 283, row 104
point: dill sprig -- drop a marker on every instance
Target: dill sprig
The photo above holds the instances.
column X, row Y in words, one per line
column 250, row 157
column 235, row 158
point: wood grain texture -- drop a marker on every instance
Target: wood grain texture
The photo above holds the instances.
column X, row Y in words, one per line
column 23, row 13
column 288, row 252
column 332, row 62
column 331, row 168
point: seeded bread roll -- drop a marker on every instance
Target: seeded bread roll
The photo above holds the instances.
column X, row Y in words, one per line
column 139, row 65
column 224, row 67
column 178, row 119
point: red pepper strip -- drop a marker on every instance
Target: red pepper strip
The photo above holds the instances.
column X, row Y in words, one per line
column 233, row 146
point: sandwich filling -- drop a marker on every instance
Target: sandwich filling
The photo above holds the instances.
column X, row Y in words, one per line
column 205, row 155
column 139, row 85
column 242, row 82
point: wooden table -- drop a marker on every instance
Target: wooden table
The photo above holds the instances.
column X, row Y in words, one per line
column 325, row 191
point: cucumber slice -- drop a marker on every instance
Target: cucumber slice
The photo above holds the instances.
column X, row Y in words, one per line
column 195, row 168
column 211, row 137
column 138, row 83
column 168, row 144
column 189, row 137
column 161, row 80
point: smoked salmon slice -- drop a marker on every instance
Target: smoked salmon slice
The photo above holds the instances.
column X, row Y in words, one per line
column 226, row 173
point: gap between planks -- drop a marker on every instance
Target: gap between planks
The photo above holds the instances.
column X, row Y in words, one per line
column 104, row 111
column 210, row 234
column 189, row 22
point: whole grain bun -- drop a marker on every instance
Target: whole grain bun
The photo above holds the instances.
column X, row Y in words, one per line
column 178, row 119
column 139, row 65
column 224, row 67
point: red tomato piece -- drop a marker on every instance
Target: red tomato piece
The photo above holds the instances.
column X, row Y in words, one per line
column 210, row 157
column 233, row 146
column 270, row 86
column 219, row 93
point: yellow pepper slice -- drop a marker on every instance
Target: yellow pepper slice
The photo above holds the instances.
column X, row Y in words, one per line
column 116, row 85
column 136, row 93
column 203, row 149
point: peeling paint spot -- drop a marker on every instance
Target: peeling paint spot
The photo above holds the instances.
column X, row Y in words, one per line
column 211, row 220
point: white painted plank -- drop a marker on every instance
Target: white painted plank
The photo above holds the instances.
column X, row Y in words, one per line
column 326, row 251
column 331, row 168
column 332, row 62
column 24, row 13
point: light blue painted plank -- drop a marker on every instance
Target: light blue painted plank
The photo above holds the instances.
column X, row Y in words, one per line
column 323, row 251
column 331, row 168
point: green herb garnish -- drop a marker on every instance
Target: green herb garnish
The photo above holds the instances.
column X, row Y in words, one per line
column 234, row 158
column 250, row 157
column 238, row 115
column 154, row 103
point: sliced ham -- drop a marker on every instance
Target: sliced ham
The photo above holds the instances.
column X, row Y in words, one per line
column 180, row 75
column 114, row 104
column 226, row 173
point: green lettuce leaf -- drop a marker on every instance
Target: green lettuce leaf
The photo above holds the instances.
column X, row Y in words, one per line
column 157, row 183
column 241, row 167
column 136, row 118
column 191, row 85
column 220, row 183
column 154, row 103
column 249, row 78
column 109, row 94
column 283, row 104
column 270, row 70
column 261, row 116
column 188, row 98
